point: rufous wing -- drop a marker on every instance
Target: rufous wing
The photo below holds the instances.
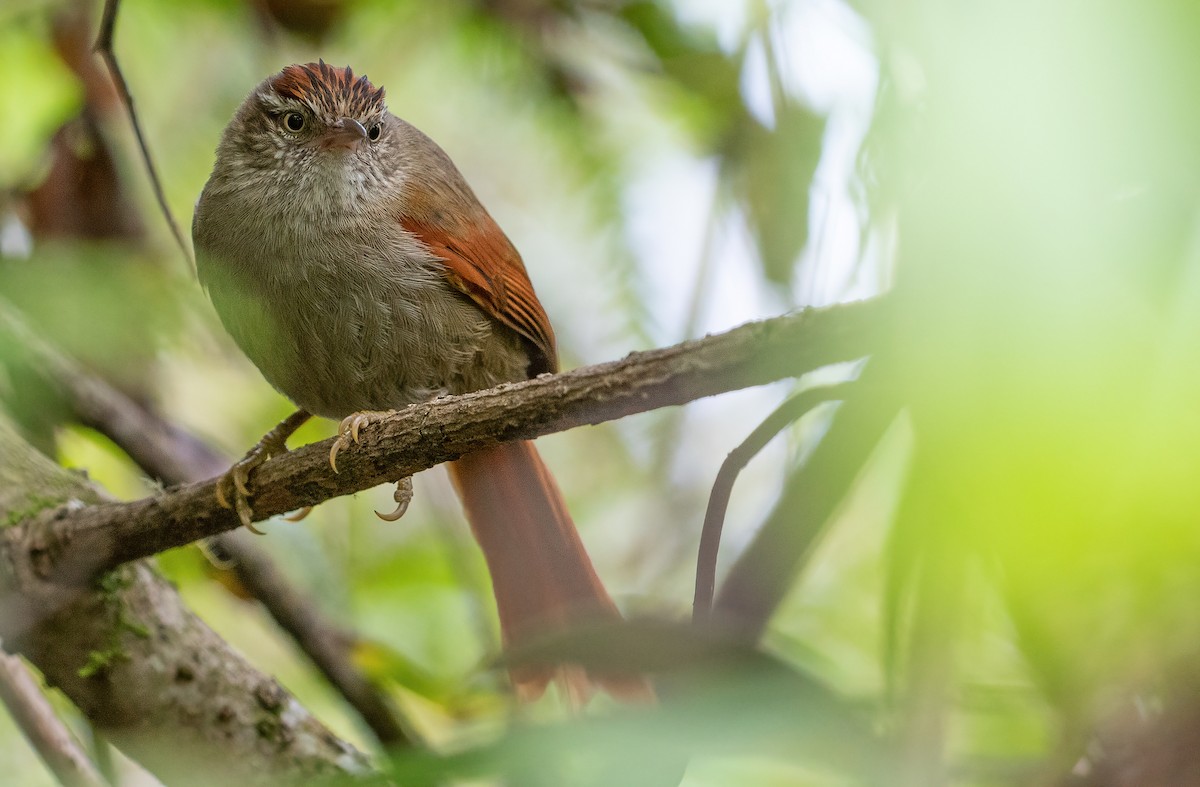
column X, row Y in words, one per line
column 482, row 263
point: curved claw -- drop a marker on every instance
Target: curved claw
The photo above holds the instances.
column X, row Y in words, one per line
column 222, row 500
column 296, row 516
column 241, row 474
column 347, row 431
column 272, row 444
column 247, row 516
column 403, row 496
column 333, row 452
column 238, row 478
column 401, row 508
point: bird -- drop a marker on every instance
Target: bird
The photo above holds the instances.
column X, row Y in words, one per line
column 351, row 262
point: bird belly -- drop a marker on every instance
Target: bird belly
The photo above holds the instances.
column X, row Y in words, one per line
column 344, row 338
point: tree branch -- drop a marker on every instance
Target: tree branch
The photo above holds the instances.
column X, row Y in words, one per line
column 159, row 683
column 328, row 645
column 46, row 732
column 95, row 538
column 174, row 456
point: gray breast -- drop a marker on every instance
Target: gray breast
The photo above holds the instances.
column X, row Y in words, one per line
column 375, row 327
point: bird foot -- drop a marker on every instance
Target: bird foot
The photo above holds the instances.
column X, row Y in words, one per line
column 349, row 429
column 403, row 496
column 233, row 490
column 299, row 514
column 237, row 480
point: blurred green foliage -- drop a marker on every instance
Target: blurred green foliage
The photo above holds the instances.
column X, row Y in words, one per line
column 1005, row 594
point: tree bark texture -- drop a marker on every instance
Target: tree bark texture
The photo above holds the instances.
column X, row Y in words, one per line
column 146, row 672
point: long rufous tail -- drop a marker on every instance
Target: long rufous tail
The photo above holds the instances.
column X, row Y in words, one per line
column 541, row 574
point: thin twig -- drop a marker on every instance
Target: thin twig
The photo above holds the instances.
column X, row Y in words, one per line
column 46, row 732
column 718, row 501
column 766, row 569
column 104, row 47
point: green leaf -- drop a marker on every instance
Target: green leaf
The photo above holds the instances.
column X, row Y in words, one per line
column 772, row 174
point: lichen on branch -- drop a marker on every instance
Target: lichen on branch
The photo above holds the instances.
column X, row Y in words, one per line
column 124, row 648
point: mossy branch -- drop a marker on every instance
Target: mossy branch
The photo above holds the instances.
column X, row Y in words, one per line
column 126, row 650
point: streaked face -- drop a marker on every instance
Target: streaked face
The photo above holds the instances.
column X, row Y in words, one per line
column 314, row 128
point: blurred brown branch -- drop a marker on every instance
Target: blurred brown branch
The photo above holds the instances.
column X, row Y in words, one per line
column 329, row 645
column 46, row 732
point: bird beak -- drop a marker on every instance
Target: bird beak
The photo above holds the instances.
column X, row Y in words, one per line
column 347, row 134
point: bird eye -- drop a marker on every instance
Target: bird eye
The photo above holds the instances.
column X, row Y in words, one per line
column 374, row 132
column 294, row 121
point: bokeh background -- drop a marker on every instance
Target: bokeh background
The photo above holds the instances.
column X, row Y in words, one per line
column 1005, row 595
